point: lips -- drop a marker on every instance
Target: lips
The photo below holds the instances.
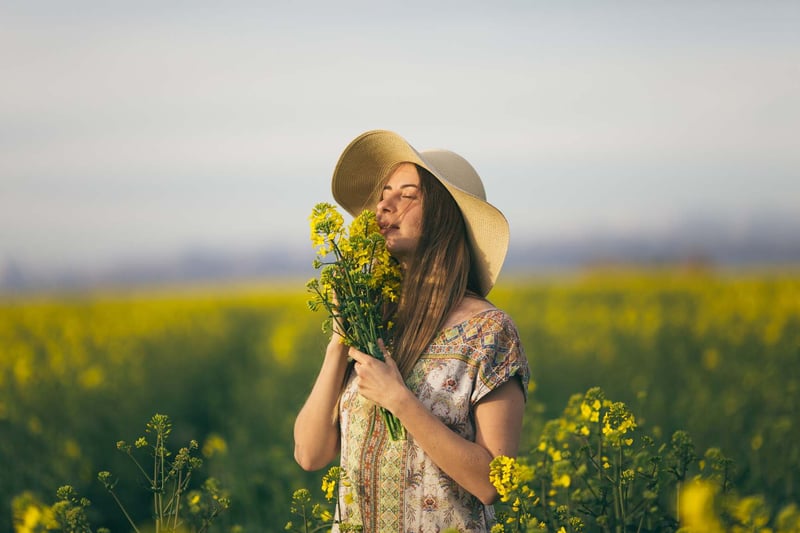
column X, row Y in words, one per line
column 387, row 228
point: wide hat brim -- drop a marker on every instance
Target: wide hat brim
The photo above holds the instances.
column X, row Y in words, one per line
column 367, row 161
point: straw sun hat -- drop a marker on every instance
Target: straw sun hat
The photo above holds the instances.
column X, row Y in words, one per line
column 367, row 161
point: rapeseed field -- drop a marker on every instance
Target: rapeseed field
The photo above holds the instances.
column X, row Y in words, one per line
column 711, row 353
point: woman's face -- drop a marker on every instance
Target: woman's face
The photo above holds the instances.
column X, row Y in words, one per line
column 399, row 212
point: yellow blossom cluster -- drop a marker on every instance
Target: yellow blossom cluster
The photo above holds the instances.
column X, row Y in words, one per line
column 326, row 227
column 512, row 479
column 357, row 285
column 329, row 482
column 505, row 476
column 618, row 423
column 358, row 277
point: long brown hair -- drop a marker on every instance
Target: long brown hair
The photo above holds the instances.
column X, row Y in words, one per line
column 437, row 278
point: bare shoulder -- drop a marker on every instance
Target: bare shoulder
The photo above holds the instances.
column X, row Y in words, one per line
column 475, row 305
column 469, row 307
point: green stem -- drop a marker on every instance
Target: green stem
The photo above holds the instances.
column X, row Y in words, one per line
column 155, row 479
column 178, row 492
column 622, row 503
column 161, row 483
column 396, row 429
column 122, row 508
column 141, row 469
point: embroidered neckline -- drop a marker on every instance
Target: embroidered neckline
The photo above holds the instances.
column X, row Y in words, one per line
column 460, row 325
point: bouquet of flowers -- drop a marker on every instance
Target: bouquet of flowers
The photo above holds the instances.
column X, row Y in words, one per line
column 358, row 280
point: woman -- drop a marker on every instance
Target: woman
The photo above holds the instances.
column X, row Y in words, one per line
column 454, row 373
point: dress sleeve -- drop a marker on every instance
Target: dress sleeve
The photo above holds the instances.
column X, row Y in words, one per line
column 500, row 357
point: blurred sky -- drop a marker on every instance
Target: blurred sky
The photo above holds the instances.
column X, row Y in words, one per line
column 133, row 129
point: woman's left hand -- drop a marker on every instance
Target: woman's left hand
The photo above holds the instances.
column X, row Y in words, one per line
column 378, row 381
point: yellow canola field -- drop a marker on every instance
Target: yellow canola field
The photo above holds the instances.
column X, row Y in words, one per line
column 713, row 353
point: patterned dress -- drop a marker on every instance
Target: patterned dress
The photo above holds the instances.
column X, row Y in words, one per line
column 393, row 486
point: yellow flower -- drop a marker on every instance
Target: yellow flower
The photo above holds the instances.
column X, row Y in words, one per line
column 329, row 482
column 31, row 518
column 326, row 225
column 696, row 507
column 590, row 407
column 617, row 422
column 358, row 280
column 362, row 274
column 214, row 445
column 562, row 481
column 503, row 473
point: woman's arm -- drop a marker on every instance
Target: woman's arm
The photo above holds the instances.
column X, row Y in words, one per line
column 498, row 421
column 316, row 433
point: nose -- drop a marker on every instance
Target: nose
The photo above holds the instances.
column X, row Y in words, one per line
column 384, row 211
column 384, row 205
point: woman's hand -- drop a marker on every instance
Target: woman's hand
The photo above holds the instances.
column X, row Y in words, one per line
column 379, row 381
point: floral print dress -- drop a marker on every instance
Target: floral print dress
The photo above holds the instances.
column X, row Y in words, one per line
column 393, row 486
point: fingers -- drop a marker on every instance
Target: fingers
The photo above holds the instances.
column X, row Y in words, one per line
column 362, row 358
column 358, row 356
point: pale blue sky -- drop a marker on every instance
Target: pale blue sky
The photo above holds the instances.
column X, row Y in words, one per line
column 139, row 129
